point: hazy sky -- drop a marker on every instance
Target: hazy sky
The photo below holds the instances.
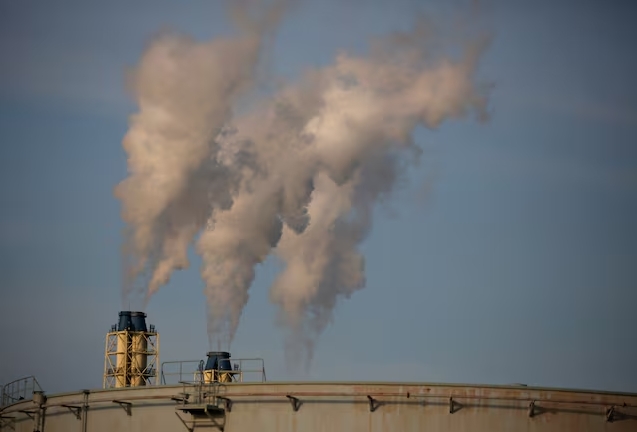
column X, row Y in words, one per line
column 509, row 257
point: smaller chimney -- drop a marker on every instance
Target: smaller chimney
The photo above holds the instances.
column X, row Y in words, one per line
column 218, row 367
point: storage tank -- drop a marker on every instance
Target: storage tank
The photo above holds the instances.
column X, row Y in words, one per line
column 330, row 407
column 224, row 400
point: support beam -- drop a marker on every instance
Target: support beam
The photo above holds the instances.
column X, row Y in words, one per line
column 75, row 410
column 213, row 420
column 28, row 413
column 190, row 429
column 7, row 421
column 610, row 414
column 227, row 403
column 296, row 403
column 126, row 405
column 373, row 403
column 181, row 397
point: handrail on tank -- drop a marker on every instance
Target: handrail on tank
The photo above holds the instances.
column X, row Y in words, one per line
column 187, row 368
column 18, row 390
column 254, row 359
column 180, row 373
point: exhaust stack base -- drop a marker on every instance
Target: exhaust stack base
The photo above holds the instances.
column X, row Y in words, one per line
column 218, row 368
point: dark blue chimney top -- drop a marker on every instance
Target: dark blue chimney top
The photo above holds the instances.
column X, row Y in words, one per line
column 125, row 321
column 139, row 321
column 218, row 360
column 132, row 321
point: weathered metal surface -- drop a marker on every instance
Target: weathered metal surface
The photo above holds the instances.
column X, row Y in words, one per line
column 364, row 407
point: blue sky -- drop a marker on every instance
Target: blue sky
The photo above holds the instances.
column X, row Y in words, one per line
column 510, row 255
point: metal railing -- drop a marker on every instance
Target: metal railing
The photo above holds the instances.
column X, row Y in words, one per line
column 175, row 372
column 18, row 390
column 191, row 371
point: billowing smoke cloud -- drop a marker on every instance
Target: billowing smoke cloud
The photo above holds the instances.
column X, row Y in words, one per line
column 361, row 142
column 185, row 91
column 298, row 175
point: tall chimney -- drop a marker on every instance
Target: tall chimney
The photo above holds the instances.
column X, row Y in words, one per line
column 132, row 352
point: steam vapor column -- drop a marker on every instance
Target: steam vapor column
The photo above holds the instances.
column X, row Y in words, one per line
column 132, row 352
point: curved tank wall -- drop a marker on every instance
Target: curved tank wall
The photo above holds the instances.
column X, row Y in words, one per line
column 329, row 407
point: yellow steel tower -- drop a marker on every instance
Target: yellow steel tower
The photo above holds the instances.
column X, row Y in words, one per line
column 132, row 352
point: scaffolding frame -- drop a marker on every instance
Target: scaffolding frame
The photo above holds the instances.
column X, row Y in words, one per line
column 129, row 372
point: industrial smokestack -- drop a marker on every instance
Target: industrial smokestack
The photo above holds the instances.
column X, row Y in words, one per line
column 218, row 367
column 132, row 352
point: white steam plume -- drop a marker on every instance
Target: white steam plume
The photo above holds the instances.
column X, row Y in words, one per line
column 299, row 175
column 186, row 91
column 362, row 141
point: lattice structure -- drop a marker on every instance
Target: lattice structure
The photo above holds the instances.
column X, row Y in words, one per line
column 131, row 358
